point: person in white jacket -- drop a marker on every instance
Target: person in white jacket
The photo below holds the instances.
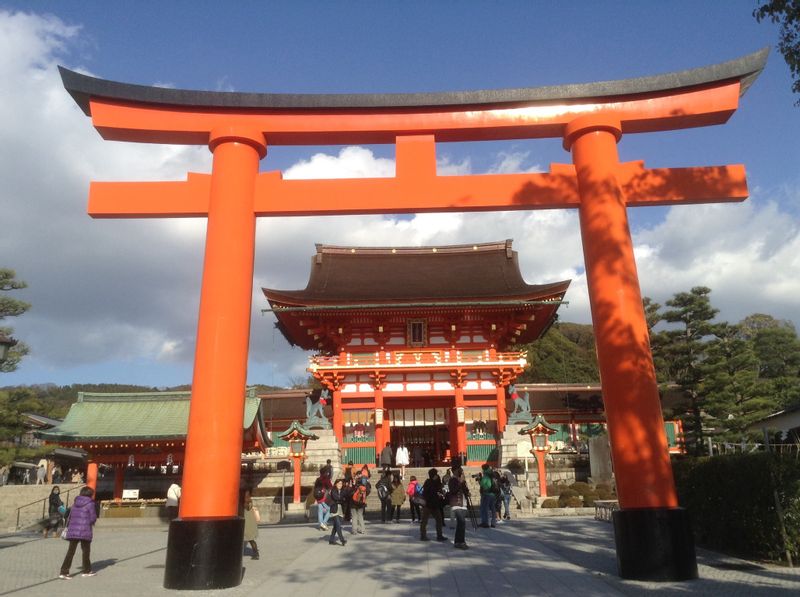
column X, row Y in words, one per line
column 401, row 459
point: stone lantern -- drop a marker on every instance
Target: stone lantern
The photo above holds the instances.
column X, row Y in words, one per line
column 539, row 432
column 297, row 437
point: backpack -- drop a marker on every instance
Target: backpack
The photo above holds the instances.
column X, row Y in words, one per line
column 359, row 495
column 383, row 490
column 495, row 485
column 319, row 493
column 418, row 489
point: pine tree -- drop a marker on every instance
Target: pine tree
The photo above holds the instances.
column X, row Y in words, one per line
column 11, row 307
column 680, row 353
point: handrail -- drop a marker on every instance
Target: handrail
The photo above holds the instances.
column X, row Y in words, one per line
column 45, row 500
column 405, row 357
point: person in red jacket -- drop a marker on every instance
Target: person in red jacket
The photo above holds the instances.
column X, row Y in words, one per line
column 411, row 491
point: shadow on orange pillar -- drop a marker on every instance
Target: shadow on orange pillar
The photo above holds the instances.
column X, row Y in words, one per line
column 652, row 534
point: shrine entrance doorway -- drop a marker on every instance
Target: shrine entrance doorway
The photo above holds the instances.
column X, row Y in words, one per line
column 424, row 431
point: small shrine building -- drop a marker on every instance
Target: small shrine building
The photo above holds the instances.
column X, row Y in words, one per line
column 417, row 345
column 141, row 429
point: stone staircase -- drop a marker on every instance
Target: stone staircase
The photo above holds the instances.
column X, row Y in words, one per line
column 32, row 501
column 322, row 449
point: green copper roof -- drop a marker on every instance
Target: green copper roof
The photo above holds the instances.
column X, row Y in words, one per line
column 296, row 426
column 152, row 415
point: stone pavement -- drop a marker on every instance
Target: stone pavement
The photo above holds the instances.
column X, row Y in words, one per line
column 563, row 556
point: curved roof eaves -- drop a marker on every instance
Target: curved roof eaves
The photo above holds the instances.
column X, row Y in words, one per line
column 82, row 87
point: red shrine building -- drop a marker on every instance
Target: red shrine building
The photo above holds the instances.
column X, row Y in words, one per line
column 417, row 345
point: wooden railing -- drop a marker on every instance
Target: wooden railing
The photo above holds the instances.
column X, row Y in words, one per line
column 406, row 358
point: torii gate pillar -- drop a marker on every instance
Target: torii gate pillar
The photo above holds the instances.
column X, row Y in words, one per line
column 652, row 533
column 209, row 529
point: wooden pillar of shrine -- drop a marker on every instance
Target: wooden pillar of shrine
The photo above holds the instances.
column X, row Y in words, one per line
column 502, row 416
column 460, row 425
column 119, row 480
column 381, row 429
column 338, row 415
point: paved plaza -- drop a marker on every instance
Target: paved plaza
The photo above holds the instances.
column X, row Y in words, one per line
column 554, row 556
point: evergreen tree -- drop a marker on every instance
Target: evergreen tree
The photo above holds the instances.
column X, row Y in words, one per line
column 787, row 14
column 778, row 352
column 734, row 396
column 681, row 352
column 566, row 354
column 11, row 307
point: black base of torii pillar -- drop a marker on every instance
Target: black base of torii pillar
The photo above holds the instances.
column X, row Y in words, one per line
column 204, row 554
column 654, row 544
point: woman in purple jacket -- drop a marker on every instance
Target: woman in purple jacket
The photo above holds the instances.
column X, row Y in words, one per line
column 82, row 516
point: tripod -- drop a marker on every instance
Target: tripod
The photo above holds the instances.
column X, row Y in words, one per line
column 471, row 511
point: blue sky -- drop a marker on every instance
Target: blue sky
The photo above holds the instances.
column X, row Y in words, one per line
column 117, row 301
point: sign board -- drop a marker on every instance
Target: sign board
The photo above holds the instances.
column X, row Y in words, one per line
column 130, row 494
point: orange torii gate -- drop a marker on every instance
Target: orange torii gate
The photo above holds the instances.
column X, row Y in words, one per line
column 653, row 536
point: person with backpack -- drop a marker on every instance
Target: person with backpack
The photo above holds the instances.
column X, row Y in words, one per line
column 488, row 498
column 432, row 493
column 347, row 491
column 321, row 489
column 384, row 489
column 413, row 489
column 359, row 501
column 498, row 495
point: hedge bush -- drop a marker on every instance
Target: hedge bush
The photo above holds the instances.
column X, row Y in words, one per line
column 550, row 503
column 565, row 495
column 581, row 487
column 730, row 499
column 589, row 499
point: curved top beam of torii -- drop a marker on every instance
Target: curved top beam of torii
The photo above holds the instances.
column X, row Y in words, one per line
column 697, row 97
column 415, row 123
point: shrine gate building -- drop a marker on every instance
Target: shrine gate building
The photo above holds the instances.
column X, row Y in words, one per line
column 417, row 345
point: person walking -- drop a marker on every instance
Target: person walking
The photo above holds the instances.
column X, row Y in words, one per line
column 55, row 509
column 82, row 517
column 41, row 473
column 336, row 504
column 251, row 519
column 398, row 497
column 457, row 496
column 4, row 471
column 173, row 499
column 432, row 492
column 385, row 461
column 401, row 459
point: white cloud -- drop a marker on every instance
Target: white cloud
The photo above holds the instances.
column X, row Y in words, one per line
column 124, row 291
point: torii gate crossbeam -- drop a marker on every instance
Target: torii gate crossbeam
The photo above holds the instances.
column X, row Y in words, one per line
column 653, row 536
